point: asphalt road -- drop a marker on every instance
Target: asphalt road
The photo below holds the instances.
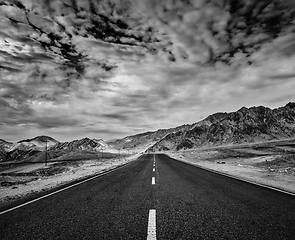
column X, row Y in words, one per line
column 189, row 203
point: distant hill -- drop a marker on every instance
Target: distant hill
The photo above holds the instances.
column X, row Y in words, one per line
column 84, row 144
column 33, row 150
column 37, row 143
column 4, row 145
column 25, row 149
column 142, row 141
column 243, row 126
column 4, row 148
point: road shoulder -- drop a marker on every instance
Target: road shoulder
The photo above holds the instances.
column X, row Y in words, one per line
column 278, row 180
column 25, row 184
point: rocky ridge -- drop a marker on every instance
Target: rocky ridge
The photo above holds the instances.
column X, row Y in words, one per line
column 142, row 141
column 243, row 126
column 34, row 149
column 82, row 144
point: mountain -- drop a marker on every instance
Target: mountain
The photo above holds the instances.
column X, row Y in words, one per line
column 4, row 148
column 82, row 144
column 33, row 150
column 38, row 143
column 142, row 141
column 25, row 149
column 4, row 145
column 243, row 126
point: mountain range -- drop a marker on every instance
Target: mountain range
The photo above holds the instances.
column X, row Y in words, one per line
column 33, row 149
column 142, row 141
column 246, row 125
column 243, row 126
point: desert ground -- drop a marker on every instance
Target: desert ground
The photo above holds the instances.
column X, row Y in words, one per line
column 269, row 163
column 24, row 179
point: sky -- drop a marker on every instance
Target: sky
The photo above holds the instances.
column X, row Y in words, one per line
column 111, row 68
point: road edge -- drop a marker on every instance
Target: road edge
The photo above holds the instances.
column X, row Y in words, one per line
column 235, row 177
column 43, row 194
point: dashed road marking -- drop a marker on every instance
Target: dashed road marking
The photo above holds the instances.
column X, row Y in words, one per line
column 153, row 180
column 154, row 169
column 151, row 231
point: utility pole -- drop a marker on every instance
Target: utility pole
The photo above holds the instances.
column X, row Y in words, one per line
column 46, row 152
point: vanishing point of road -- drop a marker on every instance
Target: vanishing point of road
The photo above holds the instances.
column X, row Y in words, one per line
column 156, row 197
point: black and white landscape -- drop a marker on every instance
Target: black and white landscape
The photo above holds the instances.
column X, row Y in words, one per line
column 147, row 119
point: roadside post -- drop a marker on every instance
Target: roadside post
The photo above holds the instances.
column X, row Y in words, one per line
column 46, row 152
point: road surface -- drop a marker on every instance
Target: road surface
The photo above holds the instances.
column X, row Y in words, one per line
column 156, row 197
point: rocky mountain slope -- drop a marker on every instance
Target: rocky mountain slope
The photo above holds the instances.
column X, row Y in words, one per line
column 4, row 145
column 24, row 148
column 38, row 143
column 83, row 144
column 142, row 141
column 33, row 150
column 245, row 125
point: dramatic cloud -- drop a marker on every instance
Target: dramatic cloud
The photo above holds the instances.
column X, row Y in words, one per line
column 111, row 68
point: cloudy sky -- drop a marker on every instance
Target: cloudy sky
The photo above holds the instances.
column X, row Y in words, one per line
column 112, row 68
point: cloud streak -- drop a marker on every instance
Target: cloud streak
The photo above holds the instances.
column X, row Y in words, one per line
column 112, row 68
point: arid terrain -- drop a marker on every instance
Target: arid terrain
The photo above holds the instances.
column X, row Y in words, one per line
column 255, row 144
column 269, row 163
column 19, row 180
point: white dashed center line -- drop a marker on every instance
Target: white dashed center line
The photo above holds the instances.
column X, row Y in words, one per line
column 154, row 169
column 153, row 180
column 151, row 231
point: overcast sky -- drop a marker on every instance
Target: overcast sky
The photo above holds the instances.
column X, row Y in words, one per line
column 110, row 68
